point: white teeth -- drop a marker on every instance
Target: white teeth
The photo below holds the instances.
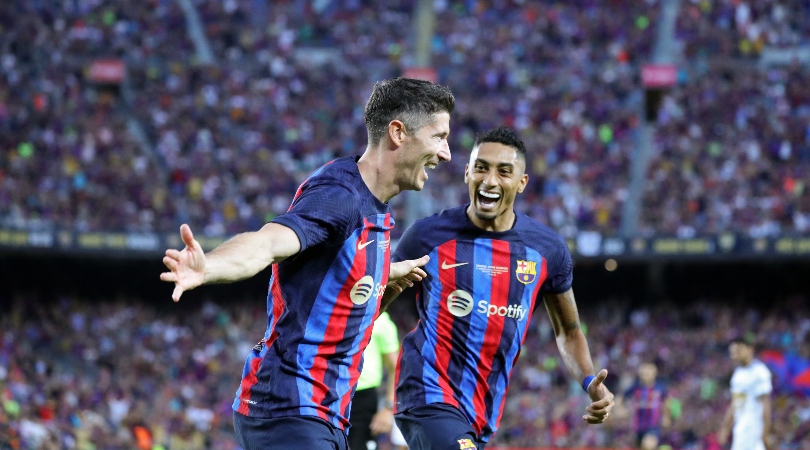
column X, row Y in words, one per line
column 489, row 195
column 430, row 166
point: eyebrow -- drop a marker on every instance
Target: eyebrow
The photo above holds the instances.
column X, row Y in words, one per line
column 503, row 164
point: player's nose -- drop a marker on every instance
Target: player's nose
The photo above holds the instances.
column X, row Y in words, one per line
column 490, row 180
column 444, row 153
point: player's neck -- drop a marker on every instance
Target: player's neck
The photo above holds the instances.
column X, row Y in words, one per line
column 378, row 180
column 503, row 222
column 747, row 362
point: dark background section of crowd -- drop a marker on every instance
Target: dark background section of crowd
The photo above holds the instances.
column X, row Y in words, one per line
column 751, row 282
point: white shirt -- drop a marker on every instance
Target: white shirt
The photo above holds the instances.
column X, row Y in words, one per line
column 747, row 384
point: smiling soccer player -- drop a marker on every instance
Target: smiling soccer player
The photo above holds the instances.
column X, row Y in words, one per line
column 488, row 267
column 330, row 263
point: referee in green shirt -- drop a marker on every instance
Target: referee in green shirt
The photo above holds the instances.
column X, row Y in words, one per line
column 369, row 416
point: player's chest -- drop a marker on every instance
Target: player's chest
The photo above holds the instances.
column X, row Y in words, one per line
column 488, row 264
column 371, row 238
column 498, row 280
column 742, row 381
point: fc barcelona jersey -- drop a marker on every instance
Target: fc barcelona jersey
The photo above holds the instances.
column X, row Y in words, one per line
column 322, row 302
column 474, row 309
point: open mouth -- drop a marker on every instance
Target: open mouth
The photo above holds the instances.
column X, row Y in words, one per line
column 430, row 166
column 487, row 200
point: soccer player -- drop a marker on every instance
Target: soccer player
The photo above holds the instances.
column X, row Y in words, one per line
column 750, row 408
column 330, row 263
column 648, row 400
column 489, row 267
column 369, row 418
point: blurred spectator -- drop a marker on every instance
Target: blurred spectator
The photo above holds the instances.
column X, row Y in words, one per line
column 122, row 374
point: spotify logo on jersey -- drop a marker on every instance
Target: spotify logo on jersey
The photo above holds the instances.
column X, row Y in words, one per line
column 460, row 303
column 362, row 290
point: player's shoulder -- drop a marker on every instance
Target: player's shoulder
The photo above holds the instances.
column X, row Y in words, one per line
column 760, row 368
column 447, row 218
column 338, row 179
column 383, row 318
column 534, row 232
column 338, row 172
column 437, row 228
column 384, row 324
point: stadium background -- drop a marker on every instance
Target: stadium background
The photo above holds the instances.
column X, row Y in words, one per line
column 669, row 140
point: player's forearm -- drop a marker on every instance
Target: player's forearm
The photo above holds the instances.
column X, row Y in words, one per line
column 388, row 297
column 766, row 416
column 390, row 387
column 725, row 427
column 239, row 258
column 390, row 363
column 575, row 353
column 564, row 316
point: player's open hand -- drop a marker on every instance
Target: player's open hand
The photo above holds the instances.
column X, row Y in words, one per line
column 187, row 266
column 602, row 400
column 410, row 269
column 382, row 422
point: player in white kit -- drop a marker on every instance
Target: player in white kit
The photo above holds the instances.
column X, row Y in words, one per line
column 750, row 408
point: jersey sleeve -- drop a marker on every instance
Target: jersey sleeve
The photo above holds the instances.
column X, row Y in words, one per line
column 560, row 269
column 762, row 384
column 322, row 212
column 386, row 332
column 410, row 245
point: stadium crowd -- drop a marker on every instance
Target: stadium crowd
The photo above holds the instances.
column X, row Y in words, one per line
column 76, row 374
column 227, row 143
column 733, row 141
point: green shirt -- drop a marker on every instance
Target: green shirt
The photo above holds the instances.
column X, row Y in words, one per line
column 384, row 340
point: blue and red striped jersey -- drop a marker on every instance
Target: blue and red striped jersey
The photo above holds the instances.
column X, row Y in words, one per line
column 474, row 310
column 322, row 301
column 647, row 404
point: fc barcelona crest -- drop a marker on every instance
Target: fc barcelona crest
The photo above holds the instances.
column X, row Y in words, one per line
column 526, row 271
column 464, row 444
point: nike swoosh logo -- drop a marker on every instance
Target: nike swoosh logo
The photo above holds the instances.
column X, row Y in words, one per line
column 362, row 245
column 446, row 266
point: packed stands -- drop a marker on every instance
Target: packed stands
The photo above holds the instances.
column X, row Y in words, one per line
column 231, row 141
column 732, row 151
column 123, row 371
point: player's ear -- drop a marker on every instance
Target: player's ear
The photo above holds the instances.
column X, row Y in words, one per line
column 397, row 132
column 524, row 180
column 466, row 174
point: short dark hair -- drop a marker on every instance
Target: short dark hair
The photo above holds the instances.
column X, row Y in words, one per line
column 409, row 100
column 745, row 340
column 505, row 136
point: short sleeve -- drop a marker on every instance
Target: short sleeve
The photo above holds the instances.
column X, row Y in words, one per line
column 323, row 212
column 560, row 268
column 409, row 246
column 762, row 385
column 386, row 332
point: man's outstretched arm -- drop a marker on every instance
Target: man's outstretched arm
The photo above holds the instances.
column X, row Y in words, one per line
column 241, row 257
column 562, row 310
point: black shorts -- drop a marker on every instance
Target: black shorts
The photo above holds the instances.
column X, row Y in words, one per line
column 364, row 406
column 438, row 427
column 288, row 433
